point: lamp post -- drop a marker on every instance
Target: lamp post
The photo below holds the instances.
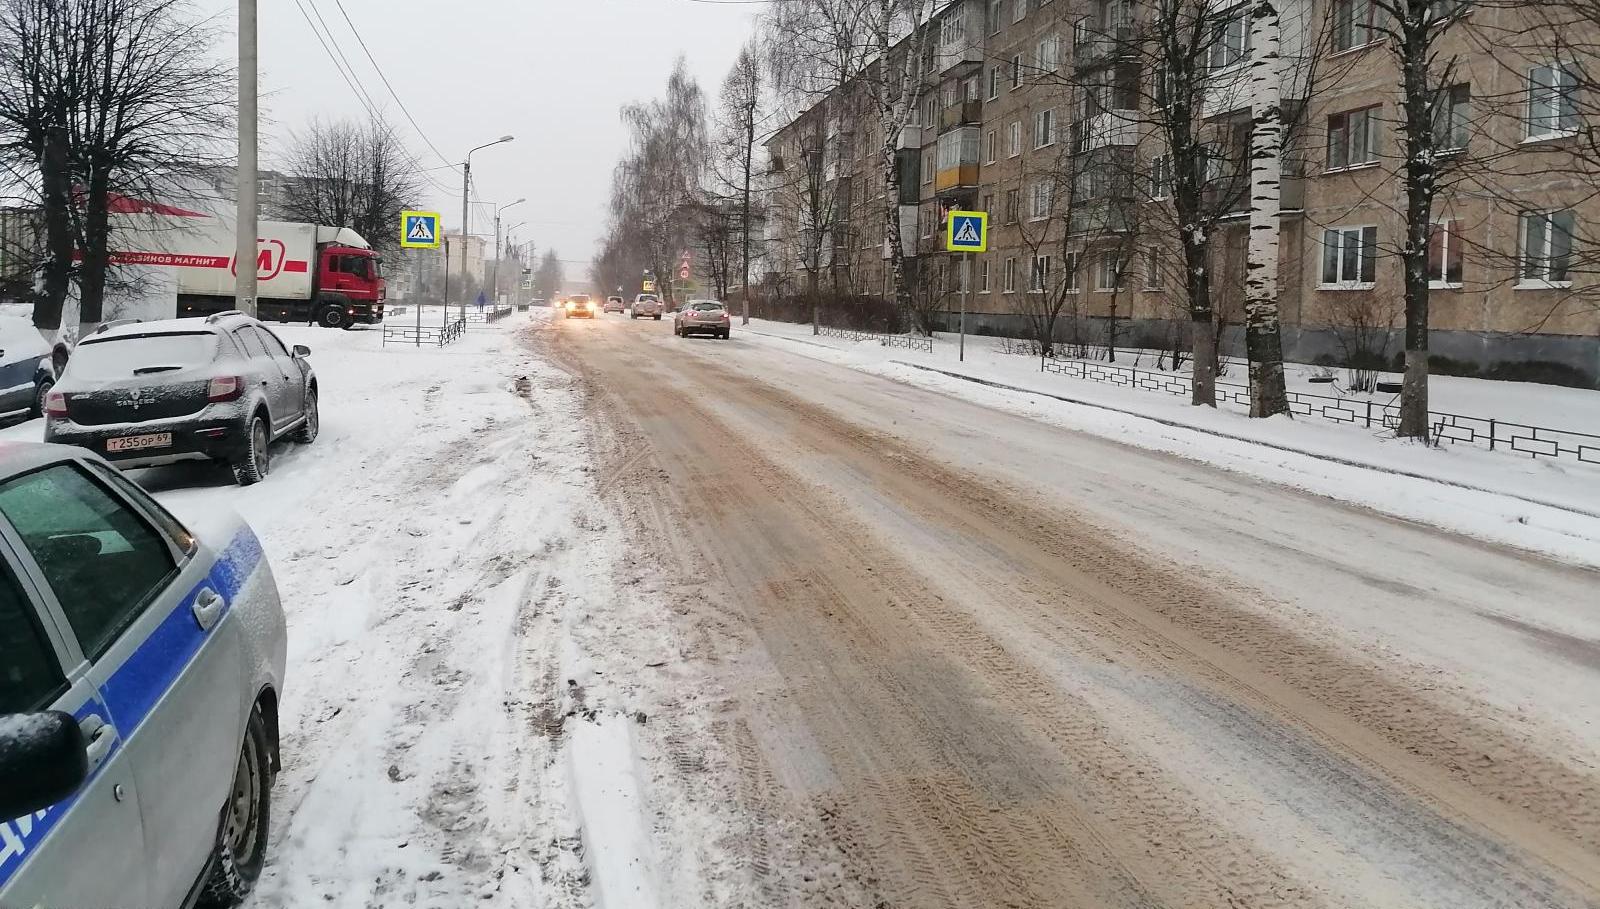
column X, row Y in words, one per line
column 244, row 250
column 494, row 273
column 516, row 287
column 466, row 193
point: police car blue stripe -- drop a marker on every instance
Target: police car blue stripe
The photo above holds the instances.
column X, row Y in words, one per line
column 138, row 685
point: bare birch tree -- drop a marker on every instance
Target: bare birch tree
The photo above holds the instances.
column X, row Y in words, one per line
column 351, row 174
column 739, row 120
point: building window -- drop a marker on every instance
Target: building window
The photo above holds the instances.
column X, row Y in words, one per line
column 1108, row 272
column 970, row 89
column 1451, row 116
column 1230, row 38
column 990, row 140
column 929, row 164
column 1016, row 71
column 1069, row 264
column 1013, row 205
column 994, row 82
column 1352, row 24
column 1551, row 95
column 930, row 109
column 1152, row 268
column 996, row 16
column 988, row 204
column 1353, row 138
column 1014, row 139
column 1039, row 274
column 1547, row 248
column 1349, row 257
column 1049, row 54
column 1444, row 254
column 1044, row 128
column 1042, row 197
column 1010, row 277
column 1160, row 177
column 1019, row 8
column 983, row 275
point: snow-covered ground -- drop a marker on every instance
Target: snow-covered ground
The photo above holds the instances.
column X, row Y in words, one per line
column 1542, row 505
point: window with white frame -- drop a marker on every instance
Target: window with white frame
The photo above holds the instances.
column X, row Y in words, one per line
column 1230, row 38
column 1552, row 93
column 970, row 89
column 1160, row 177
column 1014, row 139
column 1069, row 275
column 1019, row 8
column 1349, row 257
column 1153, row 264
column 926, row 219
column 1013, row 205
column 990, row 142
column 1016, row 71
column 983, row 275
column 1039, row 274
column 1445, row 254
column 1353, row 137
column 996, row 16
column 1352, row 24
column 1044, row 128
column 994, row 82
column 1043, row 191
column 1048, row 54
column 929, row 165
column 1452, row 116
column 1546, row 253
column 1009, row 277
column 1108, row 271
column 930, row 109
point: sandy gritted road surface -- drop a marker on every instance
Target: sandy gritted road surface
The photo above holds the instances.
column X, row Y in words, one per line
column 955, row 657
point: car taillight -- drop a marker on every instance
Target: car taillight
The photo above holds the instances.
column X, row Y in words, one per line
column 55, row 404
column 224, row 388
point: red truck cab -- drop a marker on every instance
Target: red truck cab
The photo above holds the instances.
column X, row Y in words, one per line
column 354, row 277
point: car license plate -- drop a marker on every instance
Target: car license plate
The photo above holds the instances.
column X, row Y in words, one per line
column 139, row 443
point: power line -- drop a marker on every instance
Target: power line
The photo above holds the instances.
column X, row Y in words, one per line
column 392, row 93
column 360, row 96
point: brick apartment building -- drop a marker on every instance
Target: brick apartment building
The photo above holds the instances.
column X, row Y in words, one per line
column 1029, row 112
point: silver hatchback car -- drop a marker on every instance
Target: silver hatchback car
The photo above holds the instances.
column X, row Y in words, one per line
column 140, row 669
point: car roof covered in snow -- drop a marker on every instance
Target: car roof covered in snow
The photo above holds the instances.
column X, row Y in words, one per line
column 207, row 324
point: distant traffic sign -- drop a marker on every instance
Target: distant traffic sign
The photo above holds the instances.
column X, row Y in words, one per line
column 420, row 229
column 969, row 232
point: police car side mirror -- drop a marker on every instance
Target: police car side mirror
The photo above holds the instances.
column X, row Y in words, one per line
column 42, row 761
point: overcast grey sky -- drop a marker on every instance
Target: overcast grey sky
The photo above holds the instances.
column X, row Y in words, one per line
column 553, row 73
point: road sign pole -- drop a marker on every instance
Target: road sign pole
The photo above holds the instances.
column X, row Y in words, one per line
column 416, row 277
column 966, row 284
column 445, row 300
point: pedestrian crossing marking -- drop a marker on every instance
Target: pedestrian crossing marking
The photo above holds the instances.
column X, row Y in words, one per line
column 969, row 232
column 419, row 229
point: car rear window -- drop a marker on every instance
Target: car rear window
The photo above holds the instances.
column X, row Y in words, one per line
column 706, row 307
column 129, row 355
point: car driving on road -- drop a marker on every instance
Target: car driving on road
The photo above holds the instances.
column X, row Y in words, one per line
column 614, row 304
column 140, row 670
column 222, row 388
column 579, row 306
column 646, row 306
column 702, row 317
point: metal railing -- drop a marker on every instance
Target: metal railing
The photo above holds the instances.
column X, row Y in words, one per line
column 431, row 335
column 489, row 314
column 909, row 342
column 1462, row 429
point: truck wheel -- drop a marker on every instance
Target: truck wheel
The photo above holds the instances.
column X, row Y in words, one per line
column 254, row 463
column 332, row 317
column 241, row 848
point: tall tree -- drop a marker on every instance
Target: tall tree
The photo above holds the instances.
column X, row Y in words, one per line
column 738, row 122
column 551, row 276
column 346, row 173
column 101, row 99
column 1262, row 326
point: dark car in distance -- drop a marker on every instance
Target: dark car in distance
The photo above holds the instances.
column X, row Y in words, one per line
column 220, row 388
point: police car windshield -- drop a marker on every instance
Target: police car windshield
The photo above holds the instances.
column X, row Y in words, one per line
column 127, row 356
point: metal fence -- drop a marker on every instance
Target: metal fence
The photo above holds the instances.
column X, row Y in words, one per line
column 434, row 335
column 909, row 342
column 489, row 314
column 1483, row 432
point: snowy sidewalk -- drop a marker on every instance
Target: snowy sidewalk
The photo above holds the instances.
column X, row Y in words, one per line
column 1540, row 504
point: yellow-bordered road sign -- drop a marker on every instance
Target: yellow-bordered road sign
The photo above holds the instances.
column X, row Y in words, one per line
column 969, row 232
column 420, row 230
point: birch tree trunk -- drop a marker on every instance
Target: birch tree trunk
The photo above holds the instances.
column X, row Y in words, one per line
column 1263, row 332
column 1419, row 180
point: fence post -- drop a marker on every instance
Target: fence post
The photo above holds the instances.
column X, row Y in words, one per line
column 1369, row 414
column 1491, row 435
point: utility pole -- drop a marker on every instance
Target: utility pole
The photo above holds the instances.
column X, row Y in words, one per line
column 466, row 194
column 244, row 261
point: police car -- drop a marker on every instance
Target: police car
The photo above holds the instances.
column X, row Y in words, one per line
column 140, row 667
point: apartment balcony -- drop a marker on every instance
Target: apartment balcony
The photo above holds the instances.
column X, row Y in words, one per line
column 1227, row 193
column 956, row 160
column 958, row 57
column 908, row 233
column 1092, row 48
column 959, row 39
column 967, row 113
column 1098, row 216
column 910, row 137
column 1109, row 129
column 962, row 177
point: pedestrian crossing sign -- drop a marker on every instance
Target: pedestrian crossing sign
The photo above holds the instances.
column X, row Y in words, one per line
column 969, row 232
column 419, row 229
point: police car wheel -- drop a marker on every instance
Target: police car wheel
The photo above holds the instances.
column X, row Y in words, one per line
column 241, row 848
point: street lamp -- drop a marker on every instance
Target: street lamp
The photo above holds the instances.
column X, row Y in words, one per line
column 516, row 286
column 494, row 274
column 466, row 193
